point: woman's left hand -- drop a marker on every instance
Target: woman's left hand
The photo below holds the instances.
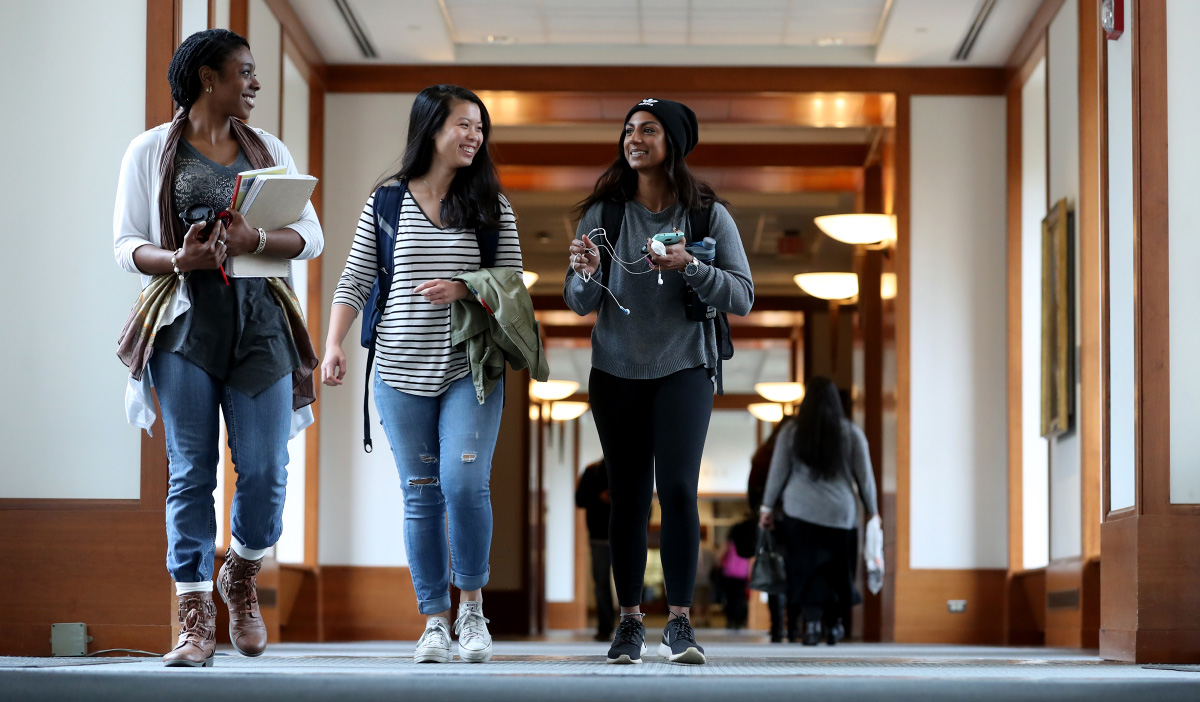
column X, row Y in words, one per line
column 442, row 292
column 240, row 237
column 675, row 259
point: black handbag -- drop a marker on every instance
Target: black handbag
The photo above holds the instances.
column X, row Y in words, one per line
column 769, row 573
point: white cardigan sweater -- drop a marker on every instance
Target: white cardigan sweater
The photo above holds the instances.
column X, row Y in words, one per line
column 136, row 223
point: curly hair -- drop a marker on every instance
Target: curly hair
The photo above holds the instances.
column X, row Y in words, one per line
column 211, row 47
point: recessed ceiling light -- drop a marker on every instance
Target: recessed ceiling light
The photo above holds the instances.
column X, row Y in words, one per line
column 499, row 39
column 830, row 41
column 921, row 30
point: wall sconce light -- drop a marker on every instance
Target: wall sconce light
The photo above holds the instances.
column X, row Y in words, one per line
column 766, row 411
column 828, row 286
column 529, row 278
column 865, row 229
column 887, row 286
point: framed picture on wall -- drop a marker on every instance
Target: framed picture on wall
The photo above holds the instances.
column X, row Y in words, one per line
column 1058, row 320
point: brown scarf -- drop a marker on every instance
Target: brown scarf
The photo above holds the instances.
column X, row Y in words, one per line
column 170, row 224
column 136, row 343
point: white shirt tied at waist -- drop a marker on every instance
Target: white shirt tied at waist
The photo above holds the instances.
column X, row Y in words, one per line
column 136, row 224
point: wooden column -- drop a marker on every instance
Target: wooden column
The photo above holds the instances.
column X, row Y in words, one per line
column 1148, row 610
column 870, row 320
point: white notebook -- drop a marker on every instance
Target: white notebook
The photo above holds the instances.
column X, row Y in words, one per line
column 274, row 202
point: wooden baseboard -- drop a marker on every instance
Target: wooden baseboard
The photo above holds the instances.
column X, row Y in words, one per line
column 1026, row 608
column 369, row 603
column 57, row 566
column 922, row 614
column 566, row 615
column 1073, row 603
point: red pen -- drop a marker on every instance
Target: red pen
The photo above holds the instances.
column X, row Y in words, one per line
column 225, row 219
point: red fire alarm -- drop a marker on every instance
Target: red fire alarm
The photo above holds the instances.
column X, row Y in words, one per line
column 1112, row 18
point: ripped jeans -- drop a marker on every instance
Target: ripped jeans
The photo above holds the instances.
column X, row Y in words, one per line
column 443, row 449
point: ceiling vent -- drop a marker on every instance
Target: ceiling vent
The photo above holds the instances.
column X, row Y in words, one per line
column 968, row 41
column 356, row 29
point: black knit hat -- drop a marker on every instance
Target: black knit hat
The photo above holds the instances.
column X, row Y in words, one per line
column 676, row 117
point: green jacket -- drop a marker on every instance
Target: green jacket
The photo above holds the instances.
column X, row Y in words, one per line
column 500, row 329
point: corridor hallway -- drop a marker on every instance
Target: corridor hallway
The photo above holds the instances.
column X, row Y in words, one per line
column 565, row 667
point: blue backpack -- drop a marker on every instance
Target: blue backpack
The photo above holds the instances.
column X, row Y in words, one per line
column 388, row 201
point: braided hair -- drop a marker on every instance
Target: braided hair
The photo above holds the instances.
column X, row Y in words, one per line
column 211, row 48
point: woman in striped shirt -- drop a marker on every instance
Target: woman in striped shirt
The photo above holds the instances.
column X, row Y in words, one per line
column 442, row 437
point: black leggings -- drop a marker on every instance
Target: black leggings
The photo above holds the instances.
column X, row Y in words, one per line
column 652, row 432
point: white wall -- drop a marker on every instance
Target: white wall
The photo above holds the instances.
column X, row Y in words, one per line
column 361, row 508
column 1120, row 268
column 1035, row 467
column 266, row 43
column 195, row 17
column 1066, row 496
column 1182, row 102
column 958, row 402
column 63, row 425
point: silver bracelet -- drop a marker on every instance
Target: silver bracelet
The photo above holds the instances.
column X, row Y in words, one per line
column 262, row 241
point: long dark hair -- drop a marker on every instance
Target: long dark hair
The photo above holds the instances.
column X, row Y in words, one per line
column 818, row 438
column 619, row 183
column 471, row 199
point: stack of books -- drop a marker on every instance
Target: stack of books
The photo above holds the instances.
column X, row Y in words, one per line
column 269, row 198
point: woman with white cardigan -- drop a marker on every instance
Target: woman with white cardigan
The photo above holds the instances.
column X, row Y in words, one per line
column 213, row 344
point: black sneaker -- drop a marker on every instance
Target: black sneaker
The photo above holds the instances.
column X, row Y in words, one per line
column 629, row 643
column 679, row 642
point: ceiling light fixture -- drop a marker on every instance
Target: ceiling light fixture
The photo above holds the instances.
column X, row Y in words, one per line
column 780, row 392
column 859, row 228
column 552, row 390
column 830, row 41
column 828, row 286
column 766, row 411
column 566, row 411
column 887, row 286
column 529, row 278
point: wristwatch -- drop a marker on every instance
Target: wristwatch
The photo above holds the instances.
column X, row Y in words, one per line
column 692, row 268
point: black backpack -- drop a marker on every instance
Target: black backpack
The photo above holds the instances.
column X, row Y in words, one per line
column 613, row 216
column 388, row 201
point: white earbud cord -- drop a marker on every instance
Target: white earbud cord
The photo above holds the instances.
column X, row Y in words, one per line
column 589, row 278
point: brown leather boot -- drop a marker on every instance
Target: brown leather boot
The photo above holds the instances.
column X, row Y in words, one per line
column 239, row 588
column 197, row 632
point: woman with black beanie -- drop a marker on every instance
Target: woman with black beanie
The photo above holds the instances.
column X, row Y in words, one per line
column 655, row 351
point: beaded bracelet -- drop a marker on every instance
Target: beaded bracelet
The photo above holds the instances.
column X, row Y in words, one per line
column 175, row 265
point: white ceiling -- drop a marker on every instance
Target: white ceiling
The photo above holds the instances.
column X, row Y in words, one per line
column 667, row 32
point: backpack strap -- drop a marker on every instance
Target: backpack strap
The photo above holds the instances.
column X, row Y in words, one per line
column 612, row 216
column 698, row 227
column 488, row 241
column 386, row 210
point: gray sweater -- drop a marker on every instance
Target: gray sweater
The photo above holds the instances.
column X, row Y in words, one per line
column 656, row 338
column 826, row 502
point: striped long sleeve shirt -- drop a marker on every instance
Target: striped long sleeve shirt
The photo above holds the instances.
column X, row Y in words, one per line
column 413, row 351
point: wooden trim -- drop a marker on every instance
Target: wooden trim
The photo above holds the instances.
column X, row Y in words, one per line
column 314, row 311
column 1016, row 485
column 1105, row 339
column 705, row 155
column 675, row 79
column 23, row 503
column 239, row 17
column 1033, row 39
column 903, row 307
column 1151, row 266
column 1075, row 626
column 212, row 14
column 1091, row 278
column 923, row 617
column 163, row 26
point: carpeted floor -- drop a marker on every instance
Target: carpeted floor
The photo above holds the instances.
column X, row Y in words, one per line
column 567, row 669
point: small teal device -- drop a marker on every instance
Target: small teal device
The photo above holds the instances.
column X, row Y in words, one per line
column 667, row 238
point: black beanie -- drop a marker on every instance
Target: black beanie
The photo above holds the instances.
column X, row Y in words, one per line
column 676, row 117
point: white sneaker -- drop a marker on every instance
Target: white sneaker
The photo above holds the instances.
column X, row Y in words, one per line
column 474, row 641
column 434, row 645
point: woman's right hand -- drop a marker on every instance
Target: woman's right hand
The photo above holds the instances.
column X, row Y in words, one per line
column 333, row 367
column 207, row 255
column 766, row 520
column 585, row 257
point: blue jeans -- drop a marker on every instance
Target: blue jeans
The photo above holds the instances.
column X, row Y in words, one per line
column 258, row 434
column 443, row 449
